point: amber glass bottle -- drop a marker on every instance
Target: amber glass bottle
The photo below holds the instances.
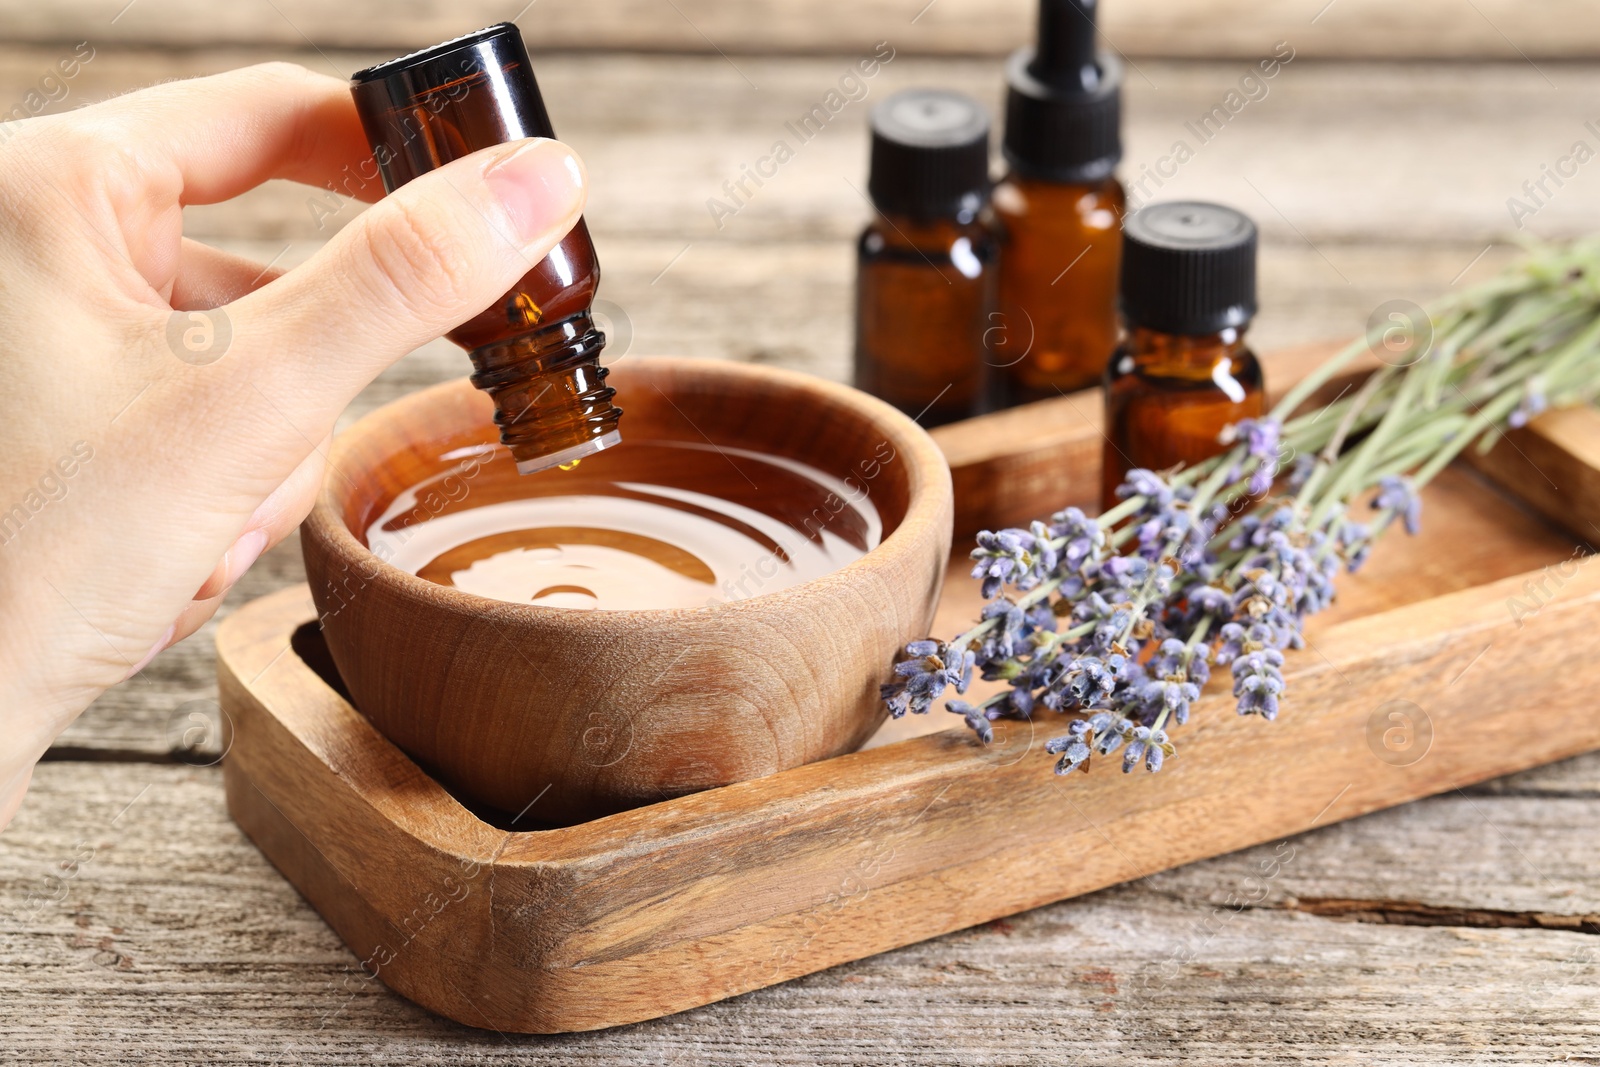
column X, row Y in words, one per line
column 536, row 350
column 925, row 265
column 1183, row 372
column 1059, row 211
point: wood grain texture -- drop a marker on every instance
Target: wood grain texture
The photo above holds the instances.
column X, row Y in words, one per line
column 178, row 943
column 661, row 134
column 1353, row 28
column 1554, row 461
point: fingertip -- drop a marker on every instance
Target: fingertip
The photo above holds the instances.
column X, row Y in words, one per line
column 238, row 559
column 540, row 187
column 156, row 649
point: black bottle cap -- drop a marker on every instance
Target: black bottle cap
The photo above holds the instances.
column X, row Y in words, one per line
column 930, row 154
column 423, row 110
column 1064, row 101
column 1188, row 268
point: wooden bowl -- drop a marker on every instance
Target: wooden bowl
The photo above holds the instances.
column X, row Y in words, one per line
column 581, row 713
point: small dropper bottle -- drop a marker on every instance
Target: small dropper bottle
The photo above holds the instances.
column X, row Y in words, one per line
column 1182, row 372
column 925, row 264
column 1059, row 210
column 536, row 350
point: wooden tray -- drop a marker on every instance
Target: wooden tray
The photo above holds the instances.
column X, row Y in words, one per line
column 1423, row 679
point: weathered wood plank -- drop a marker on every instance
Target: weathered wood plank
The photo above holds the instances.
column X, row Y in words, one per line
column 175, row 942
column 790, row 303
column 1566, row 493
column 1353, row 28
column 1335, row 154
column 1573, row 778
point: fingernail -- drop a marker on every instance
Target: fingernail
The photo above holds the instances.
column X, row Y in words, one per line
column 244, row 552
column 155, row 649
column 539, row 186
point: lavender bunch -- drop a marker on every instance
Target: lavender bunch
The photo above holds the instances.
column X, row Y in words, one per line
column 1119, row 621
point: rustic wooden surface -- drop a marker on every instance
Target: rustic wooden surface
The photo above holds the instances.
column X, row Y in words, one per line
column 1490, row 29
column 1439, row 933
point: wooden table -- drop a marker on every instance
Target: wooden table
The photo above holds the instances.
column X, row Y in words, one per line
column 138, row 925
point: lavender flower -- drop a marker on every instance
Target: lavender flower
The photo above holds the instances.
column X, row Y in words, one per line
column 1255, row 531
column 1072, row 747
column 1241, row 640
column 976, row 718
column 1000, row 556
column 1176, row 680
column 1019, row 558
column 1300, row 473
column 1262, row 601
column 1081, row 537
column 1260, row 437
column 1138, row 744
column 1088, row 680
column 1006, row 637
column 1208, row 602
column 922, row 679
column 1533, row 403
column 1258, row 682
column 1111, row 738
column 1355, row 542
column 1147, row 484
column 1397, row 494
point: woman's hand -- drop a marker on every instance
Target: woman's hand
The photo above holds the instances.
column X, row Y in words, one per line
column 149, row 454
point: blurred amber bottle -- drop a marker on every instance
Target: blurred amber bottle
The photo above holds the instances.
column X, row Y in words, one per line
column 536, row 350
column 1059, row 211
column 1183, row 371
column 925, row 264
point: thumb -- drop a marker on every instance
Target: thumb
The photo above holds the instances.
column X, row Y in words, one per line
column 418, row 263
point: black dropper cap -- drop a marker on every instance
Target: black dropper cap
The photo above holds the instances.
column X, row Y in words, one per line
column 1188, row 268
column 423, row 110
column 1064, row 101
column 930, row 154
